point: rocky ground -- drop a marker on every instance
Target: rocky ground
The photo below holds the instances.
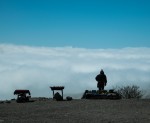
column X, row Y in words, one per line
column 76, row 111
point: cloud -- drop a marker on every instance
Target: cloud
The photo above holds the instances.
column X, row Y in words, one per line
column 37, row 68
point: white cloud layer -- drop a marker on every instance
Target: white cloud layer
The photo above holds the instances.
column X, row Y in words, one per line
column 37, row 68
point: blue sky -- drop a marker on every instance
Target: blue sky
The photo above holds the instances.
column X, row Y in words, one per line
column 41, row 39
column 76, row 23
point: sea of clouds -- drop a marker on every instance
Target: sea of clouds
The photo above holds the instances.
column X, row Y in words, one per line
column 38, row 68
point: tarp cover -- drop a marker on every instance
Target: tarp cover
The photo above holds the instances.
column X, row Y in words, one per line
column 57, row 88
column 22, row 92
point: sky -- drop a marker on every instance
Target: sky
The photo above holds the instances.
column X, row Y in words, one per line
column 38, row 68
column 77, row 23
column 67, row 42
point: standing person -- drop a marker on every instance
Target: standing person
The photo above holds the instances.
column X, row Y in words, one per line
column 101, row 80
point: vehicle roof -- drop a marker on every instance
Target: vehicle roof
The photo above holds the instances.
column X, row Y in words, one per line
column 22, row 92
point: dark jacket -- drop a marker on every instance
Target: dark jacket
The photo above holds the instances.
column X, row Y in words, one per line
column 101, row 79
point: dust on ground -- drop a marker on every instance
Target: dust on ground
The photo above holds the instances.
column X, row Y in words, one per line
column 76, row 111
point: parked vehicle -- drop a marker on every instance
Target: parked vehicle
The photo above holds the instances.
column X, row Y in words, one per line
column 103, row 94
column 22, row 95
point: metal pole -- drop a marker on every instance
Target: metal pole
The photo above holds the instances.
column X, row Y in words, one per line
column 62, row 93
column 53, row 94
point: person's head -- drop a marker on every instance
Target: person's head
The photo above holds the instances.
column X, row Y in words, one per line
column 101, row 72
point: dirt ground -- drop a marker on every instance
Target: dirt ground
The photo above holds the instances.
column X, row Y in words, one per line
column 76, row 111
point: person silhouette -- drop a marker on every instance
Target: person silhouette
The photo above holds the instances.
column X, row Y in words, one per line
column 101, row 80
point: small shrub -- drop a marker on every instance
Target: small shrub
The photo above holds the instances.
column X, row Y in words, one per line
column 129, row 92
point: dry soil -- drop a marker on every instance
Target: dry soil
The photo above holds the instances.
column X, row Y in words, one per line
column 76, row 111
